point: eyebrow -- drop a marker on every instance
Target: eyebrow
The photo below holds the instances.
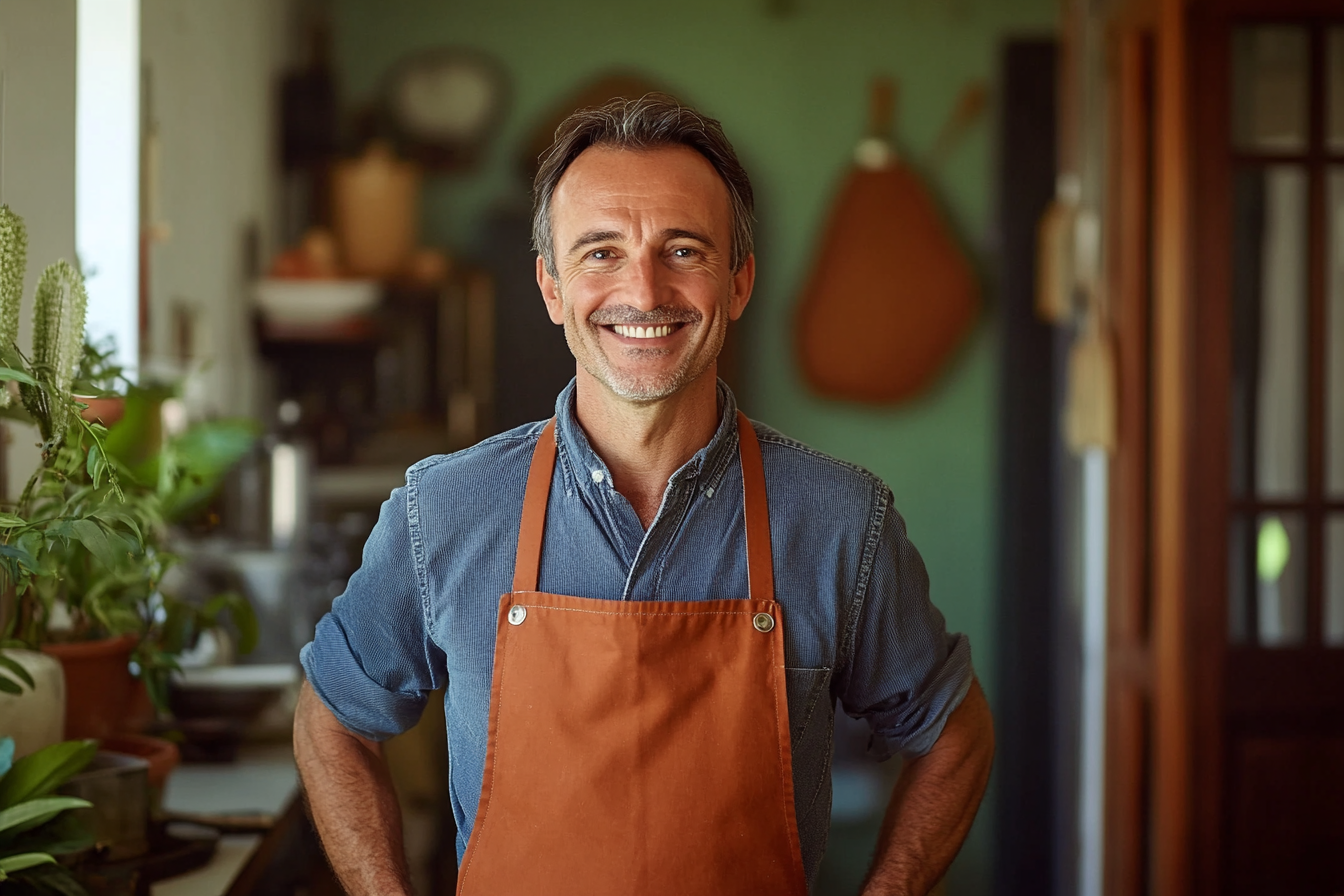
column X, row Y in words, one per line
column 593, row 236
column 602, row 236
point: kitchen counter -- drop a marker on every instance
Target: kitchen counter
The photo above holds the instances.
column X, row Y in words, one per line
column 262, row 780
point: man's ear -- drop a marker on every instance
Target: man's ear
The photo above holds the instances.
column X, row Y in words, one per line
column 743, row 281
column 549, row 293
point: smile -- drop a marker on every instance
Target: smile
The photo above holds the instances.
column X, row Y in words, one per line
column 634, row 332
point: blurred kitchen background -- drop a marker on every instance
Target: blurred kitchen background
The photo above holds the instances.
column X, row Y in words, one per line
column 1119, row 445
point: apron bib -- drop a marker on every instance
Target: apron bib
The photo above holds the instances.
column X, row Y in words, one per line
column 638, row 748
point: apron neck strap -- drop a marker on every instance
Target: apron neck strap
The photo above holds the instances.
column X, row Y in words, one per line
column 760, row 571
column 533, row 525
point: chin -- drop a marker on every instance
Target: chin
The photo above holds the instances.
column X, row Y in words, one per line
column 643, row 386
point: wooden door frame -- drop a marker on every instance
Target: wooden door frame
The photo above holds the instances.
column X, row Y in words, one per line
column 1171, row 797
column 1128, row 654
column 1201, row 683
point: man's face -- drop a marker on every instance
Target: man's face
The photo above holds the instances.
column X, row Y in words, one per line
column 644, row 287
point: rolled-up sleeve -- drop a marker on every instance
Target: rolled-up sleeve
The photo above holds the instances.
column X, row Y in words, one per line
column 371, row 660
column 905, row 673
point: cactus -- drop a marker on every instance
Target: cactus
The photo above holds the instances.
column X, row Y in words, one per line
column 58, row 341
column 13, row 268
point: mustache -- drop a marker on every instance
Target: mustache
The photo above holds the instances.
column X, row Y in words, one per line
column 625, row 314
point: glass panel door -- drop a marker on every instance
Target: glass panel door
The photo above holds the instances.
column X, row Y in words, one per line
column 1269, row 374
column 1270, row 89
column 1286, row 408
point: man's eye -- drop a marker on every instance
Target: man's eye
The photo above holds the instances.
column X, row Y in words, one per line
column 684, row 252
column 601, row 255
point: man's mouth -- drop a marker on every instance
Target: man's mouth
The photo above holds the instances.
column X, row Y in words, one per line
column 654, row 331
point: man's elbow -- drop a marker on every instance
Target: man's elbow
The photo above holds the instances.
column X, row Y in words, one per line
column 316, row 727
column 968, row 736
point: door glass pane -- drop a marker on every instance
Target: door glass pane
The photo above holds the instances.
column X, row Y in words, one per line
column 1334, row 338
column 1280, row 579
column 1269, row 89
column 1334, row 127
column 1269, row 308
column 1334, row 580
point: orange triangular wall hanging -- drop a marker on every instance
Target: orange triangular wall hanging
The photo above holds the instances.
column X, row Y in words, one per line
column 891, row 295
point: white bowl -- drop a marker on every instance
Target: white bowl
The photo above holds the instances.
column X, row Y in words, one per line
column 310, row 302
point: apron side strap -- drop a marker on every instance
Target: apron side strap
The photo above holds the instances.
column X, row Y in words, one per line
column 760, row 571
column 527, row 562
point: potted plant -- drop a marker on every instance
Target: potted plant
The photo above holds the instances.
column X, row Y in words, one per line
column 32, row 829
column 86, row 545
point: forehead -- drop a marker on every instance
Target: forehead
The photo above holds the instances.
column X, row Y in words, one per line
column 670, row 180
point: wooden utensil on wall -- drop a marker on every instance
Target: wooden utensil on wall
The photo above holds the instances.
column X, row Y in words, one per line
column 891, row 295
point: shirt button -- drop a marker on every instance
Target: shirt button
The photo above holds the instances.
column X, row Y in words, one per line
column 709, row 492
column 598, row 477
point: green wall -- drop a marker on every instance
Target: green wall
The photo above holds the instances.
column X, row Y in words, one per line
column 790, row 89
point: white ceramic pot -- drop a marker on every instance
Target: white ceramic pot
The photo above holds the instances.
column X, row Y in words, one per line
column 34, row 718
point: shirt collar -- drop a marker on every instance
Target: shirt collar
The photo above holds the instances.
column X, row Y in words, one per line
column 583, row 464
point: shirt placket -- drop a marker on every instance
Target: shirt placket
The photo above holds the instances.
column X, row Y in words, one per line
column 642, row 581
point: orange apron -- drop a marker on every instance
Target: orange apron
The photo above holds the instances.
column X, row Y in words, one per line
column 637, row 748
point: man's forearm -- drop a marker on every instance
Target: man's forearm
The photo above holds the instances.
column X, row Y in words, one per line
column 934, row 803
column 352, row 801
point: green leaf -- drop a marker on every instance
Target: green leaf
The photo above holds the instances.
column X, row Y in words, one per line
column 201, row 457
column 38, row 774
column 52, row 880
column 112, row 516
column 32, row 813
column 17, row 670
column 243, row 616
column 19, row 556
column 9, row 686
column 25, row 860
column 9, row 373
column 10, row 521
column 95, row 464
column 62, row 836
column 95, row 538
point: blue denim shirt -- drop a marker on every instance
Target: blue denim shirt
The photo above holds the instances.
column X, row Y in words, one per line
column 420, row 613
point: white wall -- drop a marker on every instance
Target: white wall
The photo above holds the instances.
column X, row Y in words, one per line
column 37, row 156
column 107, row 169
column 213, row 67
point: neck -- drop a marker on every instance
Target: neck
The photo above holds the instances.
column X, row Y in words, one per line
column 644, row 443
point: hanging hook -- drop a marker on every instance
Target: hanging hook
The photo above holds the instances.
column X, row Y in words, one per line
column 881, row 107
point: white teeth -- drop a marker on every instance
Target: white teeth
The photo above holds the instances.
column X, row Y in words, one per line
column 642, row 332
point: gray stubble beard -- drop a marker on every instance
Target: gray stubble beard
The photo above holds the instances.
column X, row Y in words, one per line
column 637, row 389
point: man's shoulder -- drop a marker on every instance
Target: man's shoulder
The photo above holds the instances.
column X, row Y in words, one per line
column 786, row 458
column 498, row 458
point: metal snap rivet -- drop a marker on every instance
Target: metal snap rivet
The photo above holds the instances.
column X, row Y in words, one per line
column 763, row 622
column 518, row 614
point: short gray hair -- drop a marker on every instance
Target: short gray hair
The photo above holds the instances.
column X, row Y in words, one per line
column 654, row 120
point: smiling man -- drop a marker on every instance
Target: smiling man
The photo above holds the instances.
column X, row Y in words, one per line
column 687, row 595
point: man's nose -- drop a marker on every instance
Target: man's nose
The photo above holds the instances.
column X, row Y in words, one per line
column 646, row 287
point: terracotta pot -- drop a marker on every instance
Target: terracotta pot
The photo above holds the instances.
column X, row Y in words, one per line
column 106, row 411
column 98, row 684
